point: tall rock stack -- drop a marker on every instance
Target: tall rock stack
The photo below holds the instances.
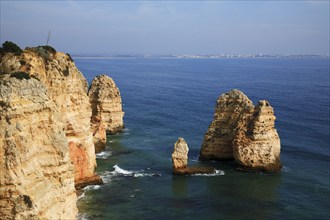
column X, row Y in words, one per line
column 180, row 155
column 107, row 111
column 243, row 132
column 36, row 175
column 68, row 89
column 231, row 108
column 257, row 145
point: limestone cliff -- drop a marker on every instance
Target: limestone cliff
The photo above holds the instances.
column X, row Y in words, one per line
column 257, row 144
column 230, row 109
column 68, row 89
column 36, row 175
column 106, row 104
column 243, row 132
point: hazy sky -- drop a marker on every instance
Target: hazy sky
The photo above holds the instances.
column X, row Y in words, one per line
column 169, row 27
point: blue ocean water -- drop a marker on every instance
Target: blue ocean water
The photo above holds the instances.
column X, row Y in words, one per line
column 164, row 99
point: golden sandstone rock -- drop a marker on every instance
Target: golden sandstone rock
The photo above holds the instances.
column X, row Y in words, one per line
column 243, row 132
column 46, row 142
column 67, row 87
column 107, row 112
column 36, row 175
column 180, row 161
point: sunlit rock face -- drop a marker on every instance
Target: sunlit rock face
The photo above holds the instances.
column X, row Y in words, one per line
column 257, row 144
column 231, row 108
column 36, row 174
column 243, row 132
column 67, row 88
column 180, row 154
column 106, row 103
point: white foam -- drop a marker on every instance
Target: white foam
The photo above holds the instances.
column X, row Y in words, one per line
column 122, row 171
column 103, row 155
column 82, row 217
column 92, row 187
column 217, row 173
column 286, row 169
column 106, row 177
column 81, row 196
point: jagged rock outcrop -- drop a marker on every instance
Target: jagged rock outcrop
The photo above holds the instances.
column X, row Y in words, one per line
column 257, row 144
column 180, row 154
column 105, row 99
column 232, row 107
column 243, row 132
column 36, row 175
column 68, row 89
column 180, row 160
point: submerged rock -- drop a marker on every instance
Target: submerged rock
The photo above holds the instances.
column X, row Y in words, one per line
column 36, row 175
column 180, row 161
column 243, row 132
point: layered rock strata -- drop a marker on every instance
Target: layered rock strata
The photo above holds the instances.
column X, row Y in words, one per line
column 36, row 175
column 231, row 108
column 107, row 113
column 257, row 144
column 243, row 132
column 68, row 89
column 180, row 160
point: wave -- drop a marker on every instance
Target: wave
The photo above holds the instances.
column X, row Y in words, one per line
column 132, row 173
column 92, row 187
column 103, row 155
column 217, row 173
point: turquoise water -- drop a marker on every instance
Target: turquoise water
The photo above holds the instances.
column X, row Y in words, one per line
column 164, row 99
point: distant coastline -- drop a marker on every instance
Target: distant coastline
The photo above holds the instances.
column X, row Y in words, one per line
column 197, row 56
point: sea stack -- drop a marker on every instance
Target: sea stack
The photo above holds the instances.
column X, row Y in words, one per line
column 36, row 175
column 106, row 103
column 180, row 154
column 231, row 109
column 243, row 132
column 107, row 110
column 180, row 160
column 257, row 145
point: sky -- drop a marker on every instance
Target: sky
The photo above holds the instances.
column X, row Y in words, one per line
column 169, row 27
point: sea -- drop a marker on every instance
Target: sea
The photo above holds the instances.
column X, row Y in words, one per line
column 164, row 99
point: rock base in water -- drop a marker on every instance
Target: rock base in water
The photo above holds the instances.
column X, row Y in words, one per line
column 180, row 161
column 94, row 180
column 194, row 170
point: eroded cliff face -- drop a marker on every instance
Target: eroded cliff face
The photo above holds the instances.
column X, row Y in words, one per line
column 36, row 175
column 257, row 144
column 231, row 108
column 68, row 89
column 243, row 132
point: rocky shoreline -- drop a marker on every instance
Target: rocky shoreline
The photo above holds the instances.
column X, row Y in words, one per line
column 52, row 126
column 47, row 141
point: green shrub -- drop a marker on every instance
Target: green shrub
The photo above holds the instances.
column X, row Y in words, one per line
column 20, row 75
column 22, row 62
column 70, row 58
column 46, row 52
column 10, row 47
